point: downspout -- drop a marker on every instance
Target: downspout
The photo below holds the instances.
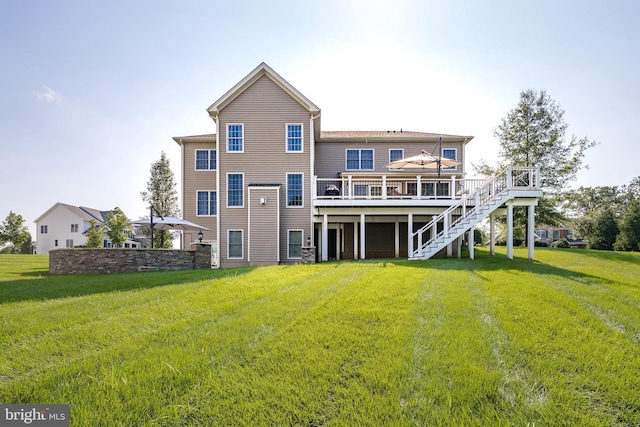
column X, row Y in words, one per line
column 218, row 189
column 312, row 167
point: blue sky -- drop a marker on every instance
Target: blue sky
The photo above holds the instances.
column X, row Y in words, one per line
column 92, row 92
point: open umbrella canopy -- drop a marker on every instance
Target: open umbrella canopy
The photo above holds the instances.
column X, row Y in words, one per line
column 169, row 223
column 423, row 160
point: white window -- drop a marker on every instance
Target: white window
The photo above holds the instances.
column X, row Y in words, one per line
column 235, row 190
column 74, row 228
column 207, row 205
column 295, row 142
column 206, row 160
column 235, row 244
column 359, row 159
column 235, row 138
column 295, row 190
column 44, row 229
column 451, row 154
column 395, row 154
column 294, row 244
column 69, row 243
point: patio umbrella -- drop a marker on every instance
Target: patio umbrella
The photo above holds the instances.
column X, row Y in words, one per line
column 423, row 160
column 169, row 223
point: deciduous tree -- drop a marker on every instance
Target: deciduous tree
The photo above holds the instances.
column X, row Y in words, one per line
column 117, row 227
column 534, row 134
column 14, row 232
column 629, row 236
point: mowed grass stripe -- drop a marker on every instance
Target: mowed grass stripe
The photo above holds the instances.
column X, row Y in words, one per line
column 338, row 362
column 184, row 330
column 567, row 352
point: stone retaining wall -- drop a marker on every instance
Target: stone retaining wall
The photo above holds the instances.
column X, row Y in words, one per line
column 120, row 260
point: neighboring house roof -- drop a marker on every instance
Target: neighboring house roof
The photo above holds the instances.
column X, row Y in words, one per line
column 84, row 213
column 389, row 134
column 261, row 70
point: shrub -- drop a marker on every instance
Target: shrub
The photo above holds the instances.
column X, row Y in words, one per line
column 562, row 243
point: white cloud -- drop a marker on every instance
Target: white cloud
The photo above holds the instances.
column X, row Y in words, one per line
column 46, row 94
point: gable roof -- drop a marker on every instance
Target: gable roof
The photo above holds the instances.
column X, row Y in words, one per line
column 84, row 213
column 261, row 70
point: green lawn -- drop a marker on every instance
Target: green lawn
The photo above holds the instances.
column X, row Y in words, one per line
column 487, row 342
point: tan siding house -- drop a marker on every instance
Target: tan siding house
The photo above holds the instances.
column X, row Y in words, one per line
column 269, row 182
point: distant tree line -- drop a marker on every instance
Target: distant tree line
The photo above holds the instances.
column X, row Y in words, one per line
column 608, row 216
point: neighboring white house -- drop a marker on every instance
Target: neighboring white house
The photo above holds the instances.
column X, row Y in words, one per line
column 64, row 226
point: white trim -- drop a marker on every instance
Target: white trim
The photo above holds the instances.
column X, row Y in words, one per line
column 360, row 150
column 209, row 200
column 289, row 230
column 243, row 186
column 286, row 191
column 243, row 139
column 241, row 242
column 286, row 137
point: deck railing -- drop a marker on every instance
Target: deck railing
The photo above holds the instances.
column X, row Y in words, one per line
column 385, row 188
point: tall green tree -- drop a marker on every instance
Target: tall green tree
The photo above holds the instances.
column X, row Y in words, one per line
column 534, row 134
column 117, row 227
column 629, row 236
column 600, row 228
column 95, row 235
column 14, row 232
column 162, row 194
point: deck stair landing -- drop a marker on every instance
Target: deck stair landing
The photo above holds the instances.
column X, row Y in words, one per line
column 512, row 183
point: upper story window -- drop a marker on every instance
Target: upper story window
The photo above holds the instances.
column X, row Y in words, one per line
column 207, row 203
column 206, row 160
column 44, row 229
column 294, row 190
column 359, row 160
column 235, row 190
column 395, row 154
column 235, row 138
column 294, row 138
column 74, row 228
column 452, row 154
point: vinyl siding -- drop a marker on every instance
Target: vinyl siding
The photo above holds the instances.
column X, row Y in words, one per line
column 263, row 231
column 264, row 109
column 331, row 156
column 194, row 181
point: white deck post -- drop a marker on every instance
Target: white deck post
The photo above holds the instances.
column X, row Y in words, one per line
column 397, row 239
column 472, row 254
column 384, row 187
column 410, row 233
column 492, row 234
column 355, row 240
column 530, row 228
column 510, row 231
column 362, row 230
column 325, row 237
column 419, row 185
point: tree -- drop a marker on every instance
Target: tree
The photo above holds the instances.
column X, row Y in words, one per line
column 95, row 235
column 629, row 236
column 14, row 232
column 162, row 195
column 586, row 201
column 533, row 134
column 118, row 227
column 600, row 228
